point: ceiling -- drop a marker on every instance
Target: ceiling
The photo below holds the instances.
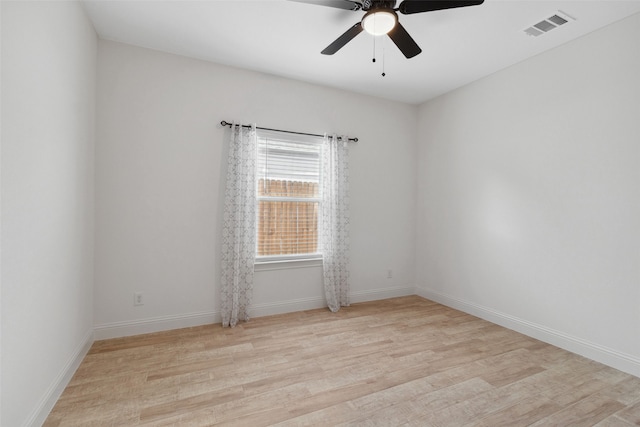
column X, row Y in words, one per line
column 285, row 38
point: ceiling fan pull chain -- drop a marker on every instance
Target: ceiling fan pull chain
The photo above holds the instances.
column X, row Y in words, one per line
column 374, row 50
column 383, row 43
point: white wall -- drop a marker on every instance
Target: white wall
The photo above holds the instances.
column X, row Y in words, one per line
column 529, row 196
column 48, row 80
column 160, row 162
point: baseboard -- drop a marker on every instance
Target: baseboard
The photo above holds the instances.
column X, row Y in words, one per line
column 269, row 309
column 56, row 388
column 615, row 359
column 290, row 306
column 383, row 293
column 154, row 324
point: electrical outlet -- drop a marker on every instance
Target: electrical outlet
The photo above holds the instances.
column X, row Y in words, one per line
column 137, row 298
column 389, row 274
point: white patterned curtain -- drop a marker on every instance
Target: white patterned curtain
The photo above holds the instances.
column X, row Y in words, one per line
column 239, row 227
column 335, row 221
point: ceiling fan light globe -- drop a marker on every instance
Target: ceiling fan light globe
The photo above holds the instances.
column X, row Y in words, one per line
column 379, row 22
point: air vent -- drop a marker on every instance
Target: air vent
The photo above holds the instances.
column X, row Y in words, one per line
column 554, row 21
column 558, row 20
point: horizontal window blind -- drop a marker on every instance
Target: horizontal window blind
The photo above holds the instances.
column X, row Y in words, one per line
column 288, row 192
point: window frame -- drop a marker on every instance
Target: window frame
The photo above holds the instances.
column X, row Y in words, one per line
column 270, row 262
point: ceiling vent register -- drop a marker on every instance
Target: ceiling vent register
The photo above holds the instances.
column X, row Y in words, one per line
column 554, row 21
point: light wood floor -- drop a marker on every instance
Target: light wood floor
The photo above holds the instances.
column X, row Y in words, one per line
column 402, row 361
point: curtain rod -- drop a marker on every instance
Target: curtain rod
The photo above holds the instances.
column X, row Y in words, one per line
column 225, row 123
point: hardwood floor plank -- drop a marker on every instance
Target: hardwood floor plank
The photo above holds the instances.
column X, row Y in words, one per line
column 522, row 413
column 586, row 412
column 630, row 414
column 193, row 403
column 614, row 421
column 626, row 391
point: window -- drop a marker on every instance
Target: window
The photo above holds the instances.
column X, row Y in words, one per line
column 289, row 196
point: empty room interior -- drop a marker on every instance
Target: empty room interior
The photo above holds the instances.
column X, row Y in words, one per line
column 473, row 192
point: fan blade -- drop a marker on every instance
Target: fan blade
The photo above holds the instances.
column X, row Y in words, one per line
column 404, row 41
column 417, row 6
column 343, row 39
column 339, row 4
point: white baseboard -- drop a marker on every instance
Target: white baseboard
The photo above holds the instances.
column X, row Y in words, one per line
column 51, row 396
column 384, row 293
column 615, row 359
column 269, row 309
column 154, row 324
column 281, row 307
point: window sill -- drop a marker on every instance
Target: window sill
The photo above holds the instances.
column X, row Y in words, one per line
column 269, row 265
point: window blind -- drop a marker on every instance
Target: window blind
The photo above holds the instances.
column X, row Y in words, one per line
column 288, row 195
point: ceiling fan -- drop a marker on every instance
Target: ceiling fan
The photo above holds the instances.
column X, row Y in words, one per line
column 381, row 18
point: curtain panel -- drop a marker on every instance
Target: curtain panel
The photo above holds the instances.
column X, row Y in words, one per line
column 335, row 221
column 239, row 227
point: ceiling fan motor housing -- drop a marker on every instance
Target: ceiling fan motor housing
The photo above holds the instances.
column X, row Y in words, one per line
column 378, row 4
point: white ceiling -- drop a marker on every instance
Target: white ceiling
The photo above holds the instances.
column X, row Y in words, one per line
column 285, row 38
